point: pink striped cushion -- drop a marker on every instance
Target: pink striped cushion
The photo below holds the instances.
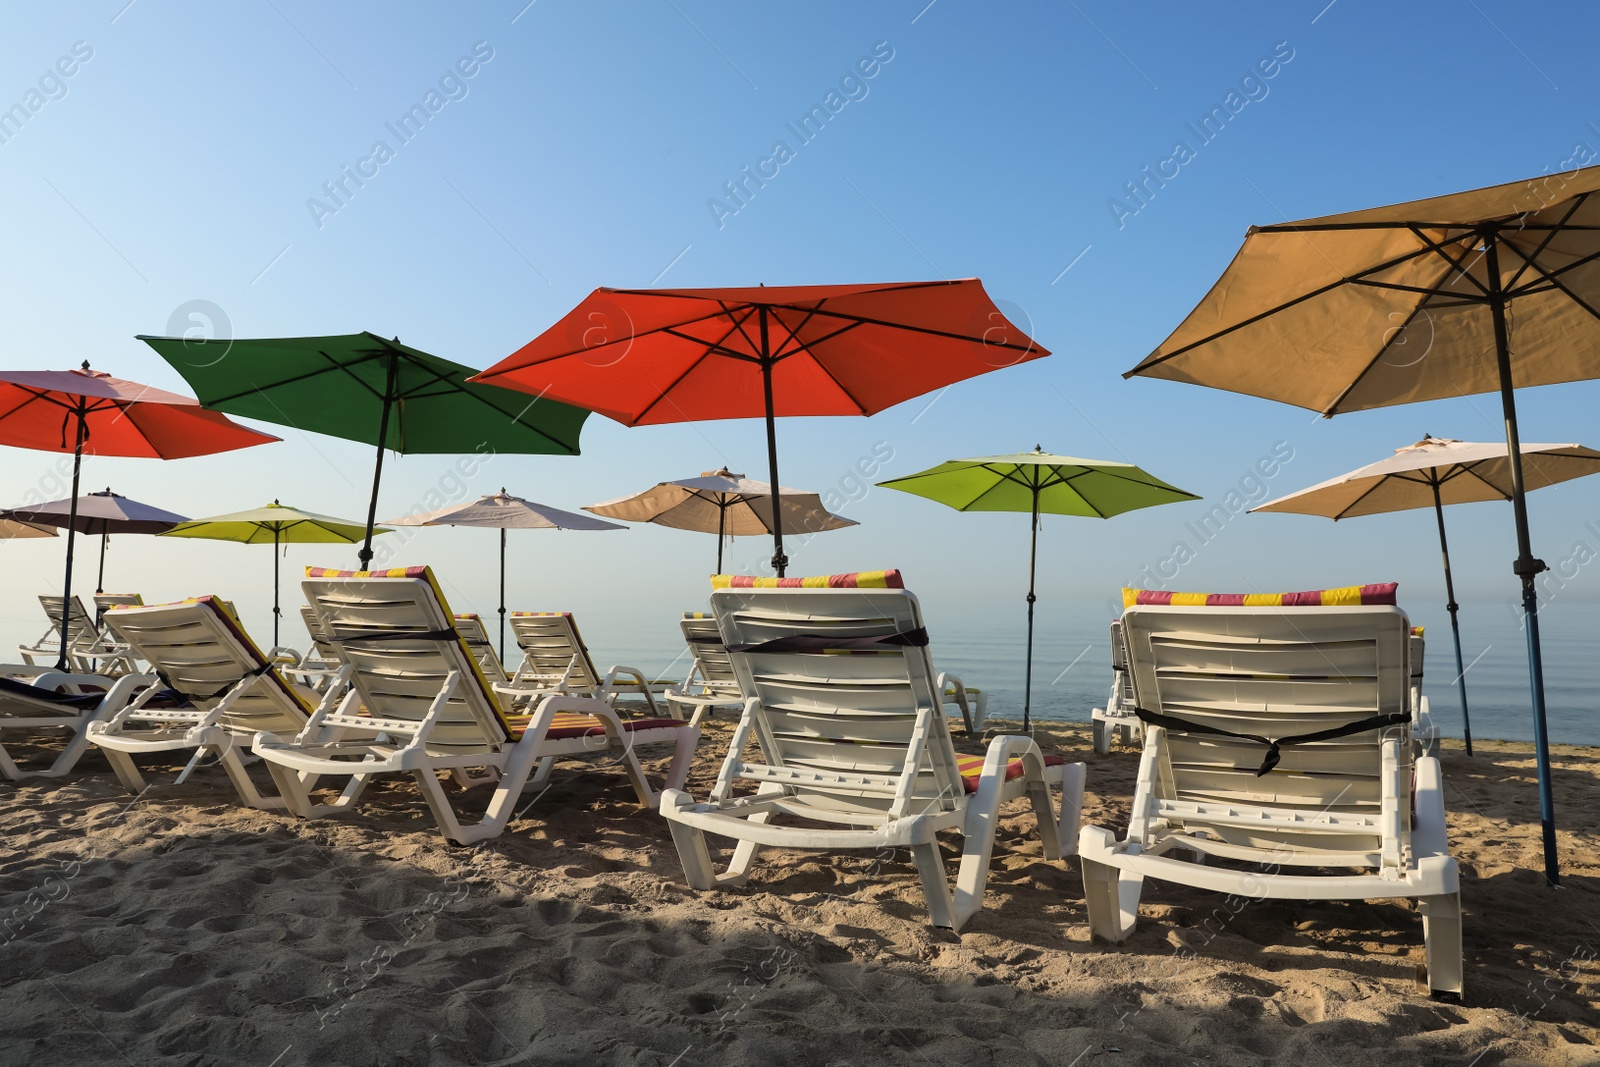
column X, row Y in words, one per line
column 1342, row 597
column 889, row 579
column 396, row 572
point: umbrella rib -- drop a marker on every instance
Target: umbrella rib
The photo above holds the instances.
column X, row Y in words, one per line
column 1558, row 284
column 1550, row 276
column 1498, row 491
column 1455, row 264
column 1577, row 202
column 1155, row 360
column 712, row 348
column 1344, row 512
column 296, row 379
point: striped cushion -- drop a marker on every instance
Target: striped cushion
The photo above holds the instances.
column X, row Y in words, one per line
column 889, row 579
column 971, row 768
column 539, row 614
column 465, row 615
column 568, row 724
column 395, row 572
column 1343, row 597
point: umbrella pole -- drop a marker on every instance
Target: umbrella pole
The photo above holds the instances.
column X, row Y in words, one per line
column 377, row 468
column 1033, row 556
column 1526, row 567
column 275, row 610
column 1455, row 624
column 72, row 524
column 779, row 560
column 502, row 594
column 722, row 521
column 100, row 578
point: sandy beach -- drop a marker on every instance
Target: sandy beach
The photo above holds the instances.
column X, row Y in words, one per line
column 181, row 928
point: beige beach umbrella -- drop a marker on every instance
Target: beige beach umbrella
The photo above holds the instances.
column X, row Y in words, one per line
column 1474, row 292
column 504, row 512
column 1430, row 474
column 723, row 503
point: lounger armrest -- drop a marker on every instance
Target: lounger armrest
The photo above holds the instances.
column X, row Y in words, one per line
column 1428, row 834
column 951, row 688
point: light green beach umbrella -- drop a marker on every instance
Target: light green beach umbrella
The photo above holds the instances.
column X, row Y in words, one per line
column 1039, row 482
column 275, row 524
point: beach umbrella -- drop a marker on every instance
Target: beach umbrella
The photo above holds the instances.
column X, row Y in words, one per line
column 1432, row 473
column 1473, row 292
column 649, row 356
column 504, row 512
column 276, row 524
column 17, row 530
column 101, row 514
column 1039, row 483
column 363, row 388
column 89, row 411
column 723, row 503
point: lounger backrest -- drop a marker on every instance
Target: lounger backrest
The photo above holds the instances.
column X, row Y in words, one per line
column 549, row 641
column 199, row 650
column 848, row 710
column 1274, row 672
column 368, row 615
column 104, row 602
column 326, row 650
column 710, row 654
column 1119, row 664
column 470, row 627
column 81, row 630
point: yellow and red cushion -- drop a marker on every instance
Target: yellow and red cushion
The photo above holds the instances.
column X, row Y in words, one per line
column 889, row 579
column 568, row 724
column 971, row 768
column 1345, row 596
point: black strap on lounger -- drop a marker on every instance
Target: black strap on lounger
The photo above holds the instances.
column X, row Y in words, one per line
column 197, row 698
column 24, row 691
column 398, row 635
column 917, row 638
column 1359, row 726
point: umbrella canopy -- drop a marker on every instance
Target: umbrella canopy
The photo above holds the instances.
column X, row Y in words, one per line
column 504, row 512
column 89, row 411
column 723, row 503
column 16, row 530
column 1432, row 473
column 274, row 524
column 1415, row 302
column 363, row 388
column 101, row 514
column 1039, row 482
column 648, row 356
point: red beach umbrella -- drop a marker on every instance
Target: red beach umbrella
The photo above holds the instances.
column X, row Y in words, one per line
column 648, row 356
column 87, row 411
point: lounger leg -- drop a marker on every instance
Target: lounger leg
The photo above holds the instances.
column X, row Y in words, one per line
column 936, row 884
column 248, row 794
column 682, row 757
column 1073, row 777
column 1112, row 897
column 1102, row 736
column 127, row 771
column 443, row 813
column 1441, row 936
column 295, row 791
column 538, row 779
column 691, row 844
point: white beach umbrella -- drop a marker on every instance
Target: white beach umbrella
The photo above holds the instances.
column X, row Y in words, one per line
column 504, row 512
column 1432, row 473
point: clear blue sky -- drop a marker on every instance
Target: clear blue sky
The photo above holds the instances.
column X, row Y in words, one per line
column 176, row 165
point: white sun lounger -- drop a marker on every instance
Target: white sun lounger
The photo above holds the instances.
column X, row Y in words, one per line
column 417, row 686
column 555, row 660
column 844, row 703
column 1117, row 718
column 711, row 682
column 51, row 700
column 217, row 692
column 88, row 650
column 1343, row 799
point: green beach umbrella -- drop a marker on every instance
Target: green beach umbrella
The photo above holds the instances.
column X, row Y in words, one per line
column 1038, row 482
column 363, row 388
column 274, row 524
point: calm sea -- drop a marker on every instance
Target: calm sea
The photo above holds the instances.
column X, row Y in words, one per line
column 1071, row 671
